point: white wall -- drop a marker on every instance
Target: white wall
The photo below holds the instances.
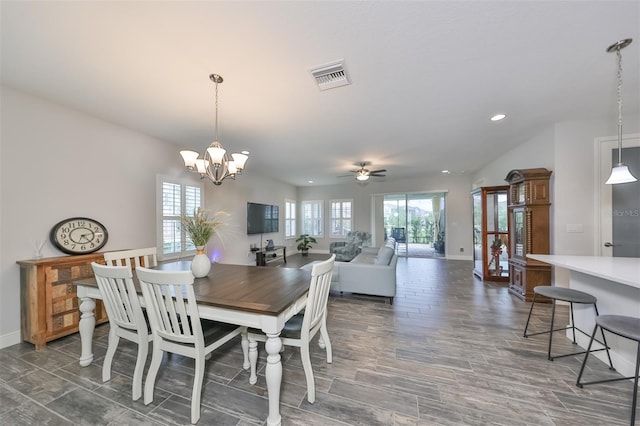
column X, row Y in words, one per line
column 458, row 208
column 58, row 163
column 232, row 196
column 536, row 152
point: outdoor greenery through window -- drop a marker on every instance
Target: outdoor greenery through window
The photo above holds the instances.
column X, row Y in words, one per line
column 341, row 217
column 416, row 219
column 177, row 199
column 289, row 219
column 312, row 218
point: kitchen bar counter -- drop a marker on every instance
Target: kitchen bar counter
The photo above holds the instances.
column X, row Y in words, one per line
column 615, row 282
column 624, row 270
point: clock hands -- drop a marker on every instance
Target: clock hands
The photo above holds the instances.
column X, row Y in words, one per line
column 85, row 236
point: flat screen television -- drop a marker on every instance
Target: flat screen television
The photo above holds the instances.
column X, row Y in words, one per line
column 262, row 218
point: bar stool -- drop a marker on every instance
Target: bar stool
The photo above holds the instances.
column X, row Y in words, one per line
column 567, row 295
column 628, row 327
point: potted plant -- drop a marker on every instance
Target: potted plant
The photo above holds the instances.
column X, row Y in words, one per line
column 200, row 227
column 304, row 243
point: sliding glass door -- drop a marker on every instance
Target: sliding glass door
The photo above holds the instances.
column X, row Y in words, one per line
column 416, row 221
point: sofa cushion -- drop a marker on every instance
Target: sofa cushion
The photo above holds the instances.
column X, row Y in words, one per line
column 364, row 258
column 384, row 256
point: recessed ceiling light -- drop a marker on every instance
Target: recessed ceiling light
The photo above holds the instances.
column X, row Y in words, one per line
column 498, row 117
column 446, row 172
column 310, row 181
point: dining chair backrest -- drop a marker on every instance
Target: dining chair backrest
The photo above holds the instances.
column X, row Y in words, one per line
column 316, row 307
column 120, row 297
column 132, row 258
column 172, row 308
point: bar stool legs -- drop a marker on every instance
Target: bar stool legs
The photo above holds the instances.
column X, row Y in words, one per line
column 571, row 296
column 629, row 328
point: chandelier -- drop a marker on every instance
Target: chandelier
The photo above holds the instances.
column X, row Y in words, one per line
column 215, row 164
column 620, row 173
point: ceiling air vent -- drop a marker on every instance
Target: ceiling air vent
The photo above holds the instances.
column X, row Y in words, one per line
column 331, row 75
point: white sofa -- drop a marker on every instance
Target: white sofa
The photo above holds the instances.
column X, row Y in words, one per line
column 372, row 272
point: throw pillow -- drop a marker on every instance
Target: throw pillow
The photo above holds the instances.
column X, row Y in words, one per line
column 384, row 256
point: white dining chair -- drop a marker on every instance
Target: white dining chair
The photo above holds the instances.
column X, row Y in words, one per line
column 132, row 258
column 177, row 327
column 126, row 319
column 302, row 327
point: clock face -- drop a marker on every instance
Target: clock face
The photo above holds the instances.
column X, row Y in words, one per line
column 79, row 235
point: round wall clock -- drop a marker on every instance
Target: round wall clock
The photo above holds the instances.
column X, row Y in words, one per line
column 79, row 235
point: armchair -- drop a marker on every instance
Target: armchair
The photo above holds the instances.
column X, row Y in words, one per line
column 345, row 251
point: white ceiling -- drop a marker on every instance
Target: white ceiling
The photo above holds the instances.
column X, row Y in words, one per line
column 426, row 75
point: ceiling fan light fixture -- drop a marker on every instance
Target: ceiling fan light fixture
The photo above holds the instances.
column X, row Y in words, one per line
column 362, row 176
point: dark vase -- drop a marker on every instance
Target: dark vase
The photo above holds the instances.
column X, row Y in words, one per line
column 305, row 252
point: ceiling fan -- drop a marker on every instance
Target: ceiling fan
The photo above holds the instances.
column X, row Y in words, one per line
column 363, row 174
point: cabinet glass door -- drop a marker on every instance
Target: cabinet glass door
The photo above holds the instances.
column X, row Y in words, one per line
column 497, row 234
column 491, row 233
column 478, row 240
column 518, row 232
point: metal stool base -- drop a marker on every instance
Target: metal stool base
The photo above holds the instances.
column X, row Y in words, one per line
column 569, row 327
column 634, row 400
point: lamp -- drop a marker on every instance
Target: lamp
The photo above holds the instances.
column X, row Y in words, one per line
column 215, row 163
column 620, row 173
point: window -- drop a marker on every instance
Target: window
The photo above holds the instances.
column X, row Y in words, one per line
column 177, row 199
column 341, row 217
column 289, row 219
column 312, row 218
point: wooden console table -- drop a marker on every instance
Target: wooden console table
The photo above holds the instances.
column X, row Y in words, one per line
column 263, row 257
column 48, row 300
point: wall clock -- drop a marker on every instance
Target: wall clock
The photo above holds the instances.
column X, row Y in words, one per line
column 79, row 235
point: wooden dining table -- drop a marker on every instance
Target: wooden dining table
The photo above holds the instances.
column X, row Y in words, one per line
column 258, row 297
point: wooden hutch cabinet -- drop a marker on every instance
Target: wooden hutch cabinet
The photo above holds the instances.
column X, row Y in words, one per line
column 529, row 233
column 48, row 299
column 491, row 233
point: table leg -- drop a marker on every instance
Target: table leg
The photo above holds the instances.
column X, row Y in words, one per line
column 273, row 375
column 245, row 350
column 253, row 360
column 86, row 327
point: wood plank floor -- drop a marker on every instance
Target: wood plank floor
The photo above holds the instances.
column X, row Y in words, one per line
column 449, row 351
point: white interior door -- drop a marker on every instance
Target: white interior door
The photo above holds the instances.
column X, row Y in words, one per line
column 606, row 146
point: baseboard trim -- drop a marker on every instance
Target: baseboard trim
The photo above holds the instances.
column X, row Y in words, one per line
column 459, row 257
column 10, row 339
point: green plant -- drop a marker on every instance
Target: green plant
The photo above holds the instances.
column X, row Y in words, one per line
column 200, row 227
column 304, row 242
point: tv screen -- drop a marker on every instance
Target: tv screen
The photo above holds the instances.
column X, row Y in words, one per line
column 262, row 218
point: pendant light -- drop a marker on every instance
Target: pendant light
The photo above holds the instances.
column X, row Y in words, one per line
column 620, row 173
column 215, row 164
